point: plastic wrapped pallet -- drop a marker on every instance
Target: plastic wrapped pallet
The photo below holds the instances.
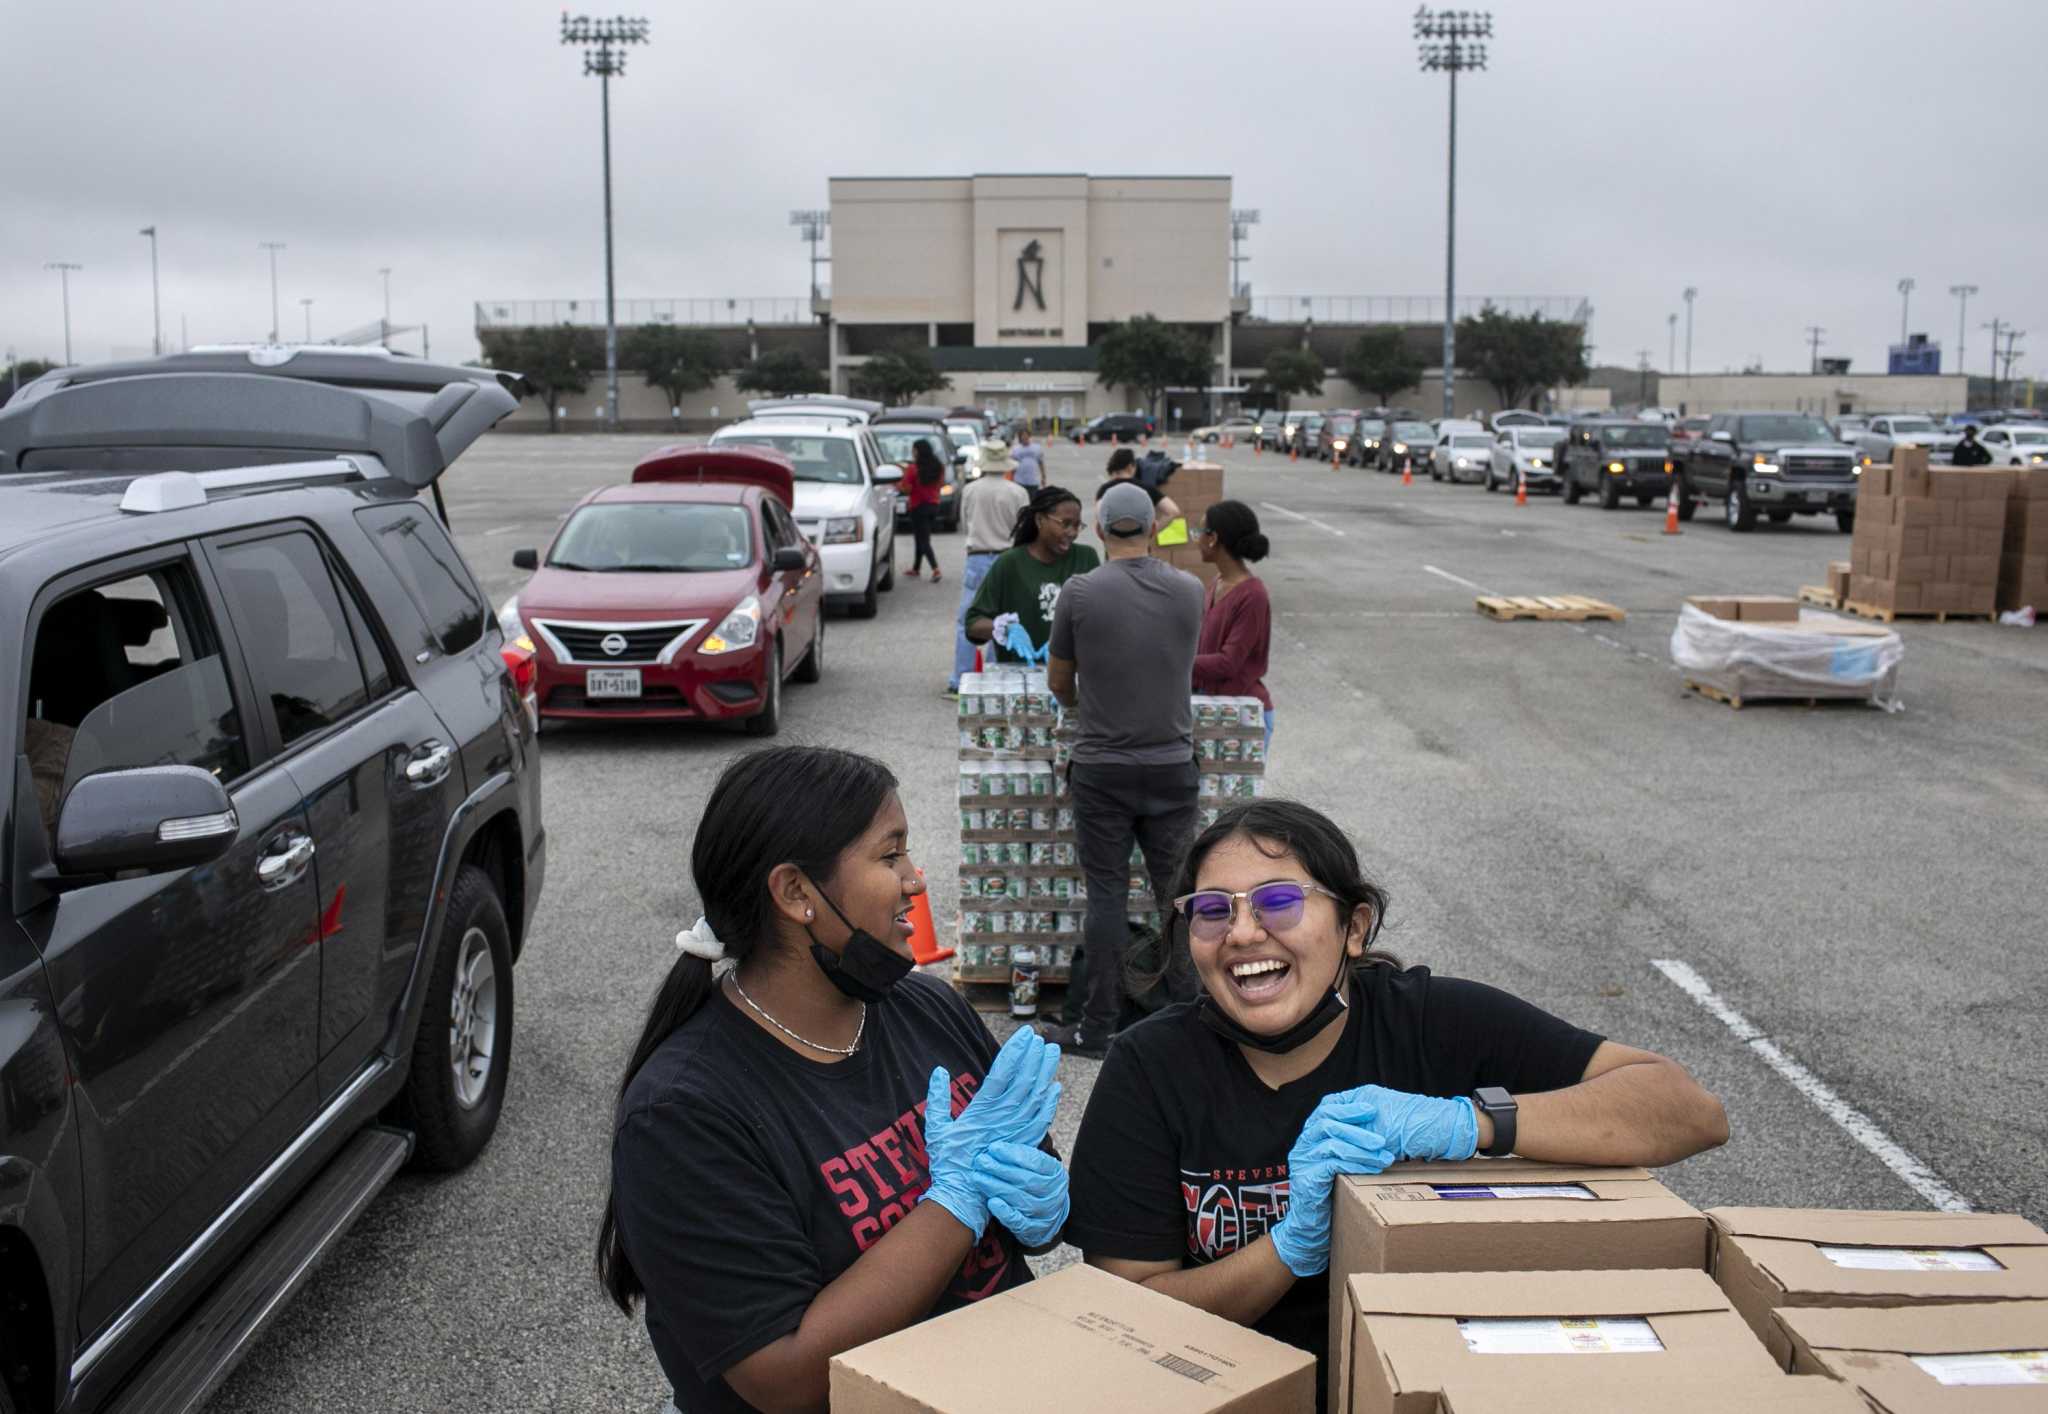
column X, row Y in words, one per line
column 1816, row 655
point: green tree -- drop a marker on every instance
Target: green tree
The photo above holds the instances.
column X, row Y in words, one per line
column 1292, row 372
column 1149, row 356
column 1520, row 355
column 25, row 371
column 677, row 361
column 781, row 373
column 555, row 358
column 1382, row 363
column 898, row 375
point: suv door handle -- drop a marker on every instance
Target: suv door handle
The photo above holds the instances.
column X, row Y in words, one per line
column 288, row 865
column 429, row 767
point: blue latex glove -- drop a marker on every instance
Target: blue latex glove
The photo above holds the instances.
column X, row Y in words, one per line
column 1338, row 1138
column 1026, row 1189
column 1422, row 1126
column 1019, row 642
column 1014, row 1105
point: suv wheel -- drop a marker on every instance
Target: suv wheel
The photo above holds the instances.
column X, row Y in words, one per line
column 1571, row 490
column 1845, row 521
column 463, row 1051
column 1491, row 487
column 1610, row 494
column 768, row 721
column 888, row 580
column 812, row 667
column 1686, row 502
column 1741, row 514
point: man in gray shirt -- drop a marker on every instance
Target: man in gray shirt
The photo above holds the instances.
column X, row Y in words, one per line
column 1123, row 653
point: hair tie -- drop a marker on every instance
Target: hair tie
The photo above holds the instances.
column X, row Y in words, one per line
column 699, row 941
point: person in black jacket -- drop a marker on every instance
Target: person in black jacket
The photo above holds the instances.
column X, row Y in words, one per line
column 1970, row 451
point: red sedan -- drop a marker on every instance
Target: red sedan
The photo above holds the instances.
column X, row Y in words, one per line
column 688, row 595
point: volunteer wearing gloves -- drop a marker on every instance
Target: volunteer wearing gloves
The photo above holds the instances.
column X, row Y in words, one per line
column 1206, row 1158
column 815, row 1145
column 1024, row 583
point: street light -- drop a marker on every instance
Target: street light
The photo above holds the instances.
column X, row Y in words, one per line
column 1241, row 220
column 1447, row 42
column 1905, row 300
column 811, row 226
column 1962, row 294
column 273, row 247
column 64, row 269
column 603, row 43
column 1690, row 292
column 1671, row 322
column 156, row 304
column 306, row 303
column 385, row 271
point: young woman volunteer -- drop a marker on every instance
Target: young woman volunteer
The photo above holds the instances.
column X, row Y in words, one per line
column 1024, row 582
column 921, row 490
column 1205, row 1160
column 1237, row 620
column 814, row 1145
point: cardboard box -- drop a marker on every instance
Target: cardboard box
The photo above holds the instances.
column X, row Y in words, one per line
column 1909, row 471
column 1407, row 1335
column 1781, row 1394
column 1941, row 1360
column 1770, row 1258
column 1748, row 608
column 1874, row 480
column 1838, row 577
column 1079, row 1340
column 1195, row 479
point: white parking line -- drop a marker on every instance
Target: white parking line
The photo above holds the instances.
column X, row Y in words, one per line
column 1297, row 515
column 1457, row 579
column 501, row 530
column 1857, row 1125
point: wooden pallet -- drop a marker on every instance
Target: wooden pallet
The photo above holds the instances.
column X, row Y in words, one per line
column 994, row 997
column 1885, row 616
column 1788, row 699
column 1819, row 595
column 1571, row 608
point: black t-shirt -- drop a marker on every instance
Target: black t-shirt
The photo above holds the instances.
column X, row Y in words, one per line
column 1154, row 492
column 747, row 1177
column 1182, row 1153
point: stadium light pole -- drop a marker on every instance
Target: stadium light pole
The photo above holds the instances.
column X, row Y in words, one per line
column 811, row 224
column 385, row 332
column 64, row 269
column 1691, row 293
column 603, row 43
column 273, row 247
column 1671, row 322
column 1962, row 294
column 156, row 303
column 1448, row 41
column 1241, row 221
column 306, row 303
column 1905, row 303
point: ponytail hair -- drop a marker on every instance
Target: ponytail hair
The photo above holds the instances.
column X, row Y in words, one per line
column 1236, row 528
column 1043, row 502
column 801, row 805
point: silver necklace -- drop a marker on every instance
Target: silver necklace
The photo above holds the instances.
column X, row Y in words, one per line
column 858, row 1031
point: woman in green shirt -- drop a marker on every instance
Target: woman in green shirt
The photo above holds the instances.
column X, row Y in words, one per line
column 1025, row 580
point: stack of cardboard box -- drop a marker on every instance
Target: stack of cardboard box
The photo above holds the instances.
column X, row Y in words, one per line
column 1194, row 488
column 2023, row 570
column 1928, row 539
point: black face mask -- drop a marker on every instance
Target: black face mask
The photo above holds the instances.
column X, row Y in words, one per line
column 866, row 968
column 1214, row 1017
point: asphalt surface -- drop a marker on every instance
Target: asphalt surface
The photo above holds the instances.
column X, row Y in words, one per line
column 1549, row 811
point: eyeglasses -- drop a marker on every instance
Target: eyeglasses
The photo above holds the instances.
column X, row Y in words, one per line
column 1276, row 907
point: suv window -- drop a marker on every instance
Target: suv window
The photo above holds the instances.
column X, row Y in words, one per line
column 432, row 573
column 296, row 637
column 128, row 673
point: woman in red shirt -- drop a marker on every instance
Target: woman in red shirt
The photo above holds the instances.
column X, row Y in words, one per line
column 1237, row 626
column 921, row 489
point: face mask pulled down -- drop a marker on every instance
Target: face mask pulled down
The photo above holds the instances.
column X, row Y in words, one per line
column 865, row 968
column 1333, row 1005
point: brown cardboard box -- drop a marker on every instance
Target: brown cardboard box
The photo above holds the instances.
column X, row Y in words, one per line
column 1718, row 606
column 1195, row 479
column 1838, row 577
column 1748, row 608
column 1767, row 1258
column 1574, row 1394
column 1874, row 480
column 1909, row 471
column 1914, row 512
column 1077, row 1341
column 1408, row 1334
column 1939, row 1360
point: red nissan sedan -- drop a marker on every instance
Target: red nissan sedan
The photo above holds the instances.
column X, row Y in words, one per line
column 688, row 595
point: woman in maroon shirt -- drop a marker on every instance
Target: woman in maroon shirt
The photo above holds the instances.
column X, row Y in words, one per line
column 1237, row 627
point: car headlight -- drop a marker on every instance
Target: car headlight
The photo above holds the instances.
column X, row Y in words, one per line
column 1762, row 467
column 1463, row 462
column 739, row 630
column 1616, row 467
column 1538, row 463
column 1400, row 446
column 508, row 619
column 843, row 530
column 947, row 489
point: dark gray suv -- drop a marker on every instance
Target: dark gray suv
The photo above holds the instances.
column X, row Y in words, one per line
column 271, row 842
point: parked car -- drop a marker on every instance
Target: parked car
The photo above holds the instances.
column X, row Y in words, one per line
column 1269, row 437
column 1615, row 458
column 1340, row 429
column 1117, row 427
column 2016, row 444
column 1308, row 434
column 1685, row 435
column 1777, row 463
column 845, row 502
column 898, row 436
column 687, row 595
column 1404, row 442
column 274, row 847
column 1848, row 428
column 1461, row 456
column 1888, row 430
column 1516, row 417
column 1523, row 451
column 820, row 406
column 1238, row 429
column 1290, row 429
column 1366, row 435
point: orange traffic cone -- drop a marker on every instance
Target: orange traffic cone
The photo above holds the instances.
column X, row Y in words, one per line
column 1293, row 451
column 1671, row 513
column 1522, row 489
column 1258, row 447
column 1408, row 471
column 924, row 938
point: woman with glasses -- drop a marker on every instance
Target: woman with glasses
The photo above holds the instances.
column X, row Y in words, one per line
column 1206, row 1157
column 1024, row 583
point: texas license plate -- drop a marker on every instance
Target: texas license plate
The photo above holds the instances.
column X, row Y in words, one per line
column 612, row 682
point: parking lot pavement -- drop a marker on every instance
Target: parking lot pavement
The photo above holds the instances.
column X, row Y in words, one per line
column 1546, row 808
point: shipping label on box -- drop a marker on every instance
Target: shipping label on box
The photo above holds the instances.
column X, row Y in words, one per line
column 1954, row 1359
column 1770, row 1258
column 1613, row 1390
column 1405, row 1336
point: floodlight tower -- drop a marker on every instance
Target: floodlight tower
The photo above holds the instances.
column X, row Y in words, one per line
column 1692, row 292
column 811, row 226
column 603, row 43
column 1905, row 303
column 1242, row 219
column 1448, row 41
column 1962, row 294
column 65, row 267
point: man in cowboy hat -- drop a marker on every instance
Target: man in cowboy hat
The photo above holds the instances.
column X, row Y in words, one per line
column 995, row 459
column 988, row 513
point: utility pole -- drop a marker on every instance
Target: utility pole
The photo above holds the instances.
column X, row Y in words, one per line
column 603, row 44
column 306, row 303
column 1905, row 302
column 1813, row 333
column 1691, row 293
column 273, row 247
column 385, row 271
column 1242, row 219
column 1994, row 326
column 156, row 303
column 1962, row 294
column 64, row 269
column 1671, row 359
column 811, row 226
column 1448, row 42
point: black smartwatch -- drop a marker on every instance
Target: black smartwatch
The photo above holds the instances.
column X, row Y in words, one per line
column 1498, row 1105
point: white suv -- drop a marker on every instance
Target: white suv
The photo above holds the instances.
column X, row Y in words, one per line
column 845, row 501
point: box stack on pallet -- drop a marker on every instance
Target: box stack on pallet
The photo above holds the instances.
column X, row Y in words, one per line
column 1021, row 884
column 1928, row 539
column 1194, row 488
column 2023, row 569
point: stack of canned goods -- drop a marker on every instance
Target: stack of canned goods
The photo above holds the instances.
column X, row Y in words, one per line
column 1230, row 745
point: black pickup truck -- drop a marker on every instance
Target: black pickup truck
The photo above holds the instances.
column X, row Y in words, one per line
column 1779, row 464
column 270, row 844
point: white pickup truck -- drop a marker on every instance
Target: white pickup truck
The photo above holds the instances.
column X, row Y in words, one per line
column 1896, row 429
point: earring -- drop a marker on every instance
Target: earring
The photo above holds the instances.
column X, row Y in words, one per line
column 810, row 914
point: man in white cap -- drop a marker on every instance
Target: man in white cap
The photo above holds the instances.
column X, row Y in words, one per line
column 1123, row 653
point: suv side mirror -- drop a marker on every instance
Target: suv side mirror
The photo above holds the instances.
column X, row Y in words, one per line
column 526, row 559
column 154, row 818
column 1720, row 436
column 788, row 557
column 887, row 474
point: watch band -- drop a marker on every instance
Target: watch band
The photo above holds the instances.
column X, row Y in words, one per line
column 1499, row 1106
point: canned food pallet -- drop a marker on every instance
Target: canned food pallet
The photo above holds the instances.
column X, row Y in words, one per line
column 992, row 997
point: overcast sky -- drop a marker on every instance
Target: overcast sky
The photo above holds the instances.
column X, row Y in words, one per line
column 1792, row 159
